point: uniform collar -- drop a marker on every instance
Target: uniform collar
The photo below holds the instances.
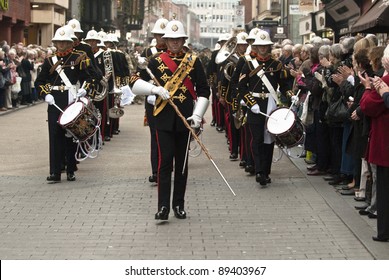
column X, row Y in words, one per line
column 260, row 57
column 63, row 54
column 180, row 54
column 161, row 47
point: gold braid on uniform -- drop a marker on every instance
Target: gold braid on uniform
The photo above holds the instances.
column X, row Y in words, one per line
column 134, row 78
column 45, row 89
column 249, row 99
column 234, row 104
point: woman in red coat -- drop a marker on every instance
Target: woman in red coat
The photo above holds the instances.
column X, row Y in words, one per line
column 373, row 106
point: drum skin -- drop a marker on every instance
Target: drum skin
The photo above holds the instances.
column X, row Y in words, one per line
column 285, row 127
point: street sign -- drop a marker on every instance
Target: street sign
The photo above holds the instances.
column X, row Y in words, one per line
column 280, row 36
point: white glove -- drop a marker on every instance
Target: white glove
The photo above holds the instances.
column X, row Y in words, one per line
column 151, row 99
column 161, row 91
column 255, row 109
column 294, row 99
column 196, row 121
column 242, row 103
column 49, row 99
column 81, row 92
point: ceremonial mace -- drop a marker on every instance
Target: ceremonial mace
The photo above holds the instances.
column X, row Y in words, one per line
column 191, row 131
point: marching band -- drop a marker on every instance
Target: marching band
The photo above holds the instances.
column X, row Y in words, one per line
column 259, row 98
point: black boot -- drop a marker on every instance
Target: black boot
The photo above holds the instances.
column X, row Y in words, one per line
column 54, row 178
column 162, row 214
column 179, row 212
column 261, row 179
column 153, row 178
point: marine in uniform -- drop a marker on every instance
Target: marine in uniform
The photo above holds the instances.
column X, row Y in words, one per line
column 183, row 75
column 214, row 76
column 100, row 99
column 239, row 107
column 121, row 73
column 228, row 92
column 258, row 82
column 57, row 83
column 158, row 31
column 81, row 46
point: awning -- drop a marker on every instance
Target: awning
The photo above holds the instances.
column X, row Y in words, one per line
column 374, row 20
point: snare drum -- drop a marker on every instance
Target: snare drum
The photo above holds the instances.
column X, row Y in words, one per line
column 286, row 127
column 79, row 119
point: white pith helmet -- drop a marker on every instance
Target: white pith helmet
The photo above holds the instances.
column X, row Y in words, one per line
column 76, row 25
column 69, row 29
column 160, row 26
column 62, row 34
column 242, row 36
column 111, row 37
column 103, row 36
column 174, row 29
column 92, row 35
column 263, row 39
column 253, row 33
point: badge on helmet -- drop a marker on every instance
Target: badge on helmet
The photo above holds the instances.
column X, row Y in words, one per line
column 62, row 34
column 175, row 29
column 160, row 26
column 263, row 39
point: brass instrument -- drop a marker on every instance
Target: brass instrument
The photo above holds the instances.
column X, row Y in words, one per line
column 228, row 52
column 102, row 90
column 239, row 117
column 114, row 112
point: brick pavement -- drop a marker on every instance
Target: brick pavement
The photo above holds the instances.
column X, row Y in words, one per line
column 108, row 212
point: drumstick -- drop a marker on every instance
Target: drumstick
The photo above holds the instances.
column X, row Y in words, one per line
column 266, row 115
column 56, row 106
column 291, row 105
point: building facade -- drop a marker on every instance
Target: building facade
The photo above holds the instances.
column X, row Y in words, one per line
column 46, row 17
column 15, row 17
column 216, row 17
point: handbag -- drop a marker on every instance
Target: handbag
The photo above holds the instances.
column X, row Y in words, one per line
column 337, row 111
column 16, row 88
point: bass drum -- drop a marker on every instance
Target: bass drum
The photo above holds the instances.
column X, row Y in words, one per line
column 285, row 127
column 80, row 120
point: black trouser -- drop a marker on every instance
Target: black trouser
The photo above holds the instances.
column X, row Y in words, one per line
column 60, row 146
column 382, row 201
column 172, row 146
column 234, row 133
column 262, row 153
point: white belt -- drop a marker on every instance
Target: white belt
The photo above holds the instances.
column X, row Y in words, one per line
column 262, row 95
column 61, row 88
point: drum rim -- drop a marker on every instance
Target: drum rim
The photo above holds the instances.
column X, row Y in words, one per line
column 66, row 112
column 269, row 120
